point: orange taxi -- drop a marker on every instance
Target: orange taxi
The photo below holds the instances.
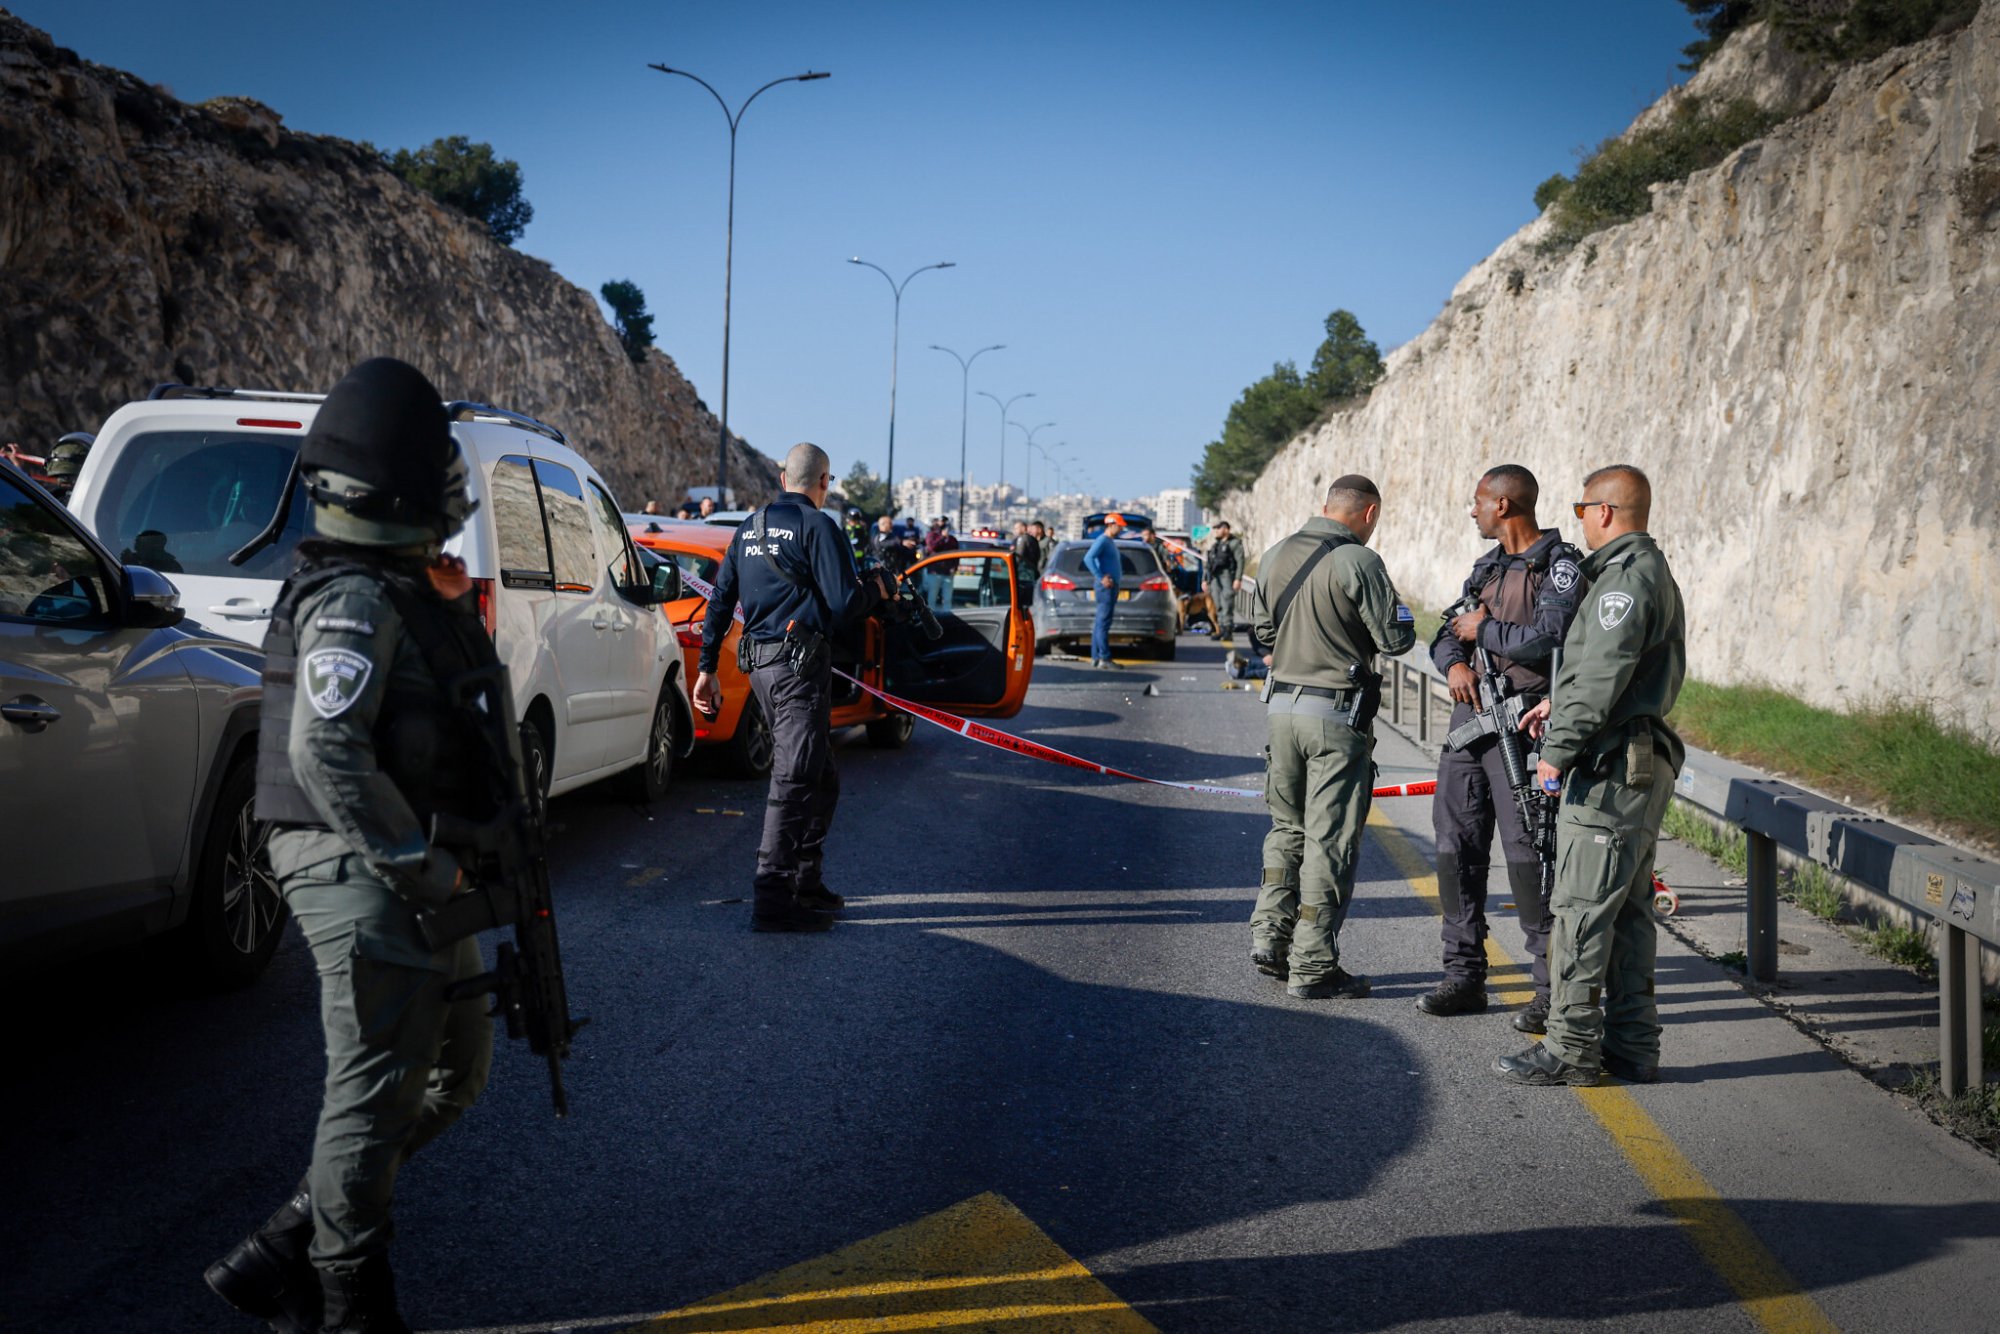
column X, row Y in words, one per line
column 979, row 666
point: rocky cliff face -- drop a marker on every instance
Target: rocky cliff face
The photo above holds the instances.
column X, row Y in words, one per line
column 1801, row 346
column 142, row 240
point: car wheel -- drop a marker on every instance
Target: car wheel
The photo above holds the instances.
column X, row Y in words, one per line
column 537, row 759
column 748, row 753
column 237, row 915
column 648, row 780
column 891, row 733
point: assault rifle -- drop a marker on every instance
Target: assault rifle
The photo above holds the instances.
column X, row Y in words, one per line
column 505, row 863
column 1499, row 715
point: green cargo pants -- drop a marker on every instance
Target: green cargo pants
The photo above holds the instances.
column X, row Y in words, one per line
column 1601, row 948
column 402, row 1062
column 1318, row 784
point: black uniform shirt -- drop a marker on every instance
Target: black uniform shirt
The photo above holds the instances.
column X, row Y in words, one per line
column 803, row 540
column 1554, row 569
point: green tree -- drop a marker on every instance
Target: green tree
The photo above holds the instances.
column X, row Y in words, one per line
column 1347, row 364
column 865, row 491
column 1715, row 20
column 1260, row 421
column 635, row 324
column 469, row 178
column 1549, row 191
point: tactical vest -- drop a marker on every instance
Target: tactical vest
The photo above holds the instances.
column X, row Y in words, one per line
column 1510, row 593
column 437, row 756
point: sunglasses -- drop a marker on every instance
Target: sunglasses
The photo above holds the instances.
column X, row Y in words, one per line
column 1577, row 507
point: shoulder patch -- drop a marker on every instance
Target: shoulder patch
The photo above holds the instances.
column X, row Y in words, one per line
column 334, row 678
column 1403, row 615
column 346, row 625
column 1565, row 575
column 1612, row 608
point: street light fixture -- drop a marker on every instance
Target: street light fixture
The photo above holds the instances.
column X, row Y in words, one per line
column 729, row 252
column 964, row 380
column 1030, row 457
column 1003, row 406
column 895, row 340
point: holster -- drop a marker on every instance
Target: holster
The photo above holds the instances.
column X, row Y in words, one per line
column 807, row 653
column 746, row 654
column 481, row 908
column 1367, row 698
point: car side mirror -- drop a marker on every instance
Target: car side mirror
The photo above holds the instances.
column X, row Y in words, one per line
column 667, row 583
column 151, row 600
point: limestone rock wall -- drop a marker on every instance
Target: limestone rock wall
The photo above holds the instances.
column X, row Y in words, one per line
column 143, row 240
column 1801, row 346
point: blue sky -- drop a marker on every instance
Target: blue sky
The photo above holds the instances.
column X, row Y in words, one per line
column 1148, row 203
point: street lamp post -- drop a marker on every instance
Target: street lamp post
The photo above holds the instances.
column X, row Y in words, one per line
column 1025, row 453
column 964, row 382
column 729, row 253
column 1003, row 426
column 895, row 340
column 1034, row 449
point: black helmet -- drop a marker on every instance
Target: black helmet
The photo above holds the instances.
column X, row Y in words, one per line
column 380, row 462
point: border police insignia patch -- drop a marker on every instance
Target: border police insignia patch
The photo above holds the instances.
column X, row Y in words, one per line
column 1564, row 575
column 1613, row 608
column 333, row 679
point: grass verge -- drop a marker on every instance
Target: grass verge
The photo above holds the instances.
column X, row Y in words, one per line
column 1974, row 1115
column 1901, row 760
column 1730, row 848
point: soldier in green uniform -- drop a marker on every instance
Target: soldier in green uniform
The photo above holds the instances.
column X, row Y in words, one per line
column 1325, row 604
column 1225, row 577
column 1607, row 741
column 66, row 461
column 359, row 747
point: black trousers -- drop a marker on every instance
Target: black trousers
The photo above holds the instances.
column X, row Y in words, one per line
column 1472, row 797
column 805, row 785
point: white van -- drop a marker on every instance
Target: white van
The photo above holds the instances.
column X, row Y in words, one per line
column 181, row 481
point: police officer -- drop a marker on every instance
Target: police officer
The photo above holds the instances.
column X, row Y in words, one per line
column 793, row 572
column 358, row 747
column 65, row 462
column 1027, row 563
column 1608, row 743
column 1528, row 588
column 1225, row 580
column 1325, row 604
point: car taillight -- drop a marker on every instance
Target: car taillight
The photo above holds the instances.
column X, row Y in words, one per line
column 688, row 635
column 1159, row 583
column 489, row 610
column 1053, row 581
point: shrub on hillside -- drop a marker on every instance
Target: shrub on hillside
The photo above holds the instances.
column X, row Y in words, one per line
column 1613, row 184
column 470, row 178
column 635, row 323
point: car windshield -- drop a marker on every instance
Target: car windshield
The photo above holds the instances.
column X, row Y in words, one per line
column 1137, row 561
column 181, row 501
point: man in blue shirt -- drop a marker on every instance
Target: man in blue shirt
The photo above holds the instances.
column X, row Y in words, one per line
column 1104, row 564
column 793, row 571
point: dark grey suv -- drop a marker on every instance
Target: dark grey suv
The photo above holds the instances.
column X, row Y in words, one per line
column 1148, row 615
column 127, row 745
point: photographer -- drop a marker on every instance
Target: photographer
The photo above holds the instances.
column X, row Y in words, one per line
column 793, row 571
column 1527, row 589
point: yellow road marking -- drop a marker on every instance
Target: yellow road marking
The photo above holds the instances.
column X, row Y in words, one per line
column 647, row 876
column 1724, row 1240
column 977, row 1265
column 1422, row 877
column 1761, row 1283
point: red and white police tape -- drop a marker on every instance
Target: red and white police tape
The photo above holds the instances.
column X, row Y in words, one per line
column 1007, row 741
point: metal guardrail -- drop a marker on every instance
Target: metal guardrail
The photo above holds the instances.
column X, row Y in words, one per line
column 1959, row 891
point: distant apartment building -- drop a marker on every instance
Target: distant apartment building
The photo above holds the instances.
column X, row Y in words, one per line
column 1175, row 510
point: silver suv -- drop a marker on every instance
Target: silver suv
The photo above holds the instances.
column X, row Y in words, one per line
column 127, row 749
column 1148, row 615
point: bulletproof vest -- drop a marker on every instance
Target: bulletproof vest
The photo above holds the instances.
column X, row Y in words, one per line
column 1510, row 595
column 437, row 756
column 1222, row 560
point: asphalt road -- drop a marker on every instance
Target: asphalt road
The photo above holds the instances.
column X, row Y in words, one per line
column 1041, row 992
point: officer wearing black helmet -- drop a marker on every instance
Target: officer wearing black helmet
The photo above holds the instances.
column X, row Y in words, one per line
column 359, row 746
column 794, row 574
column 66, row 461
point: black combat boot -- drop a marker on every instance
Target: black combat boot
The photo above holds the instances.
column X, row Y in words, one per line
column 1271, row 961
column 776, row 905
column 1538, row 1067
column 269, row 1274
column 822, row 899
column 362, row 1300
column 1534, row 1019
column 1454, row 995
column 1336, row 985
column 1631, row 1071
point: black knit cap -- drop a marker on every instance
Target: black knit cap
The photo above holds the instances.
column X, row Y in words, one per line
column 384, row 425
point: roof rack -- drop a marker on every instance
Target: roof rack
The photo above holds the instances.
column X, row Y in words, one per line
column 172, row 390
column 464, row 411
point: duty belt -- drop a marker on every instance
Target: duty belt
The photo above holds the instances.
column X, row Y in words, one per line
column 1341, row 697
